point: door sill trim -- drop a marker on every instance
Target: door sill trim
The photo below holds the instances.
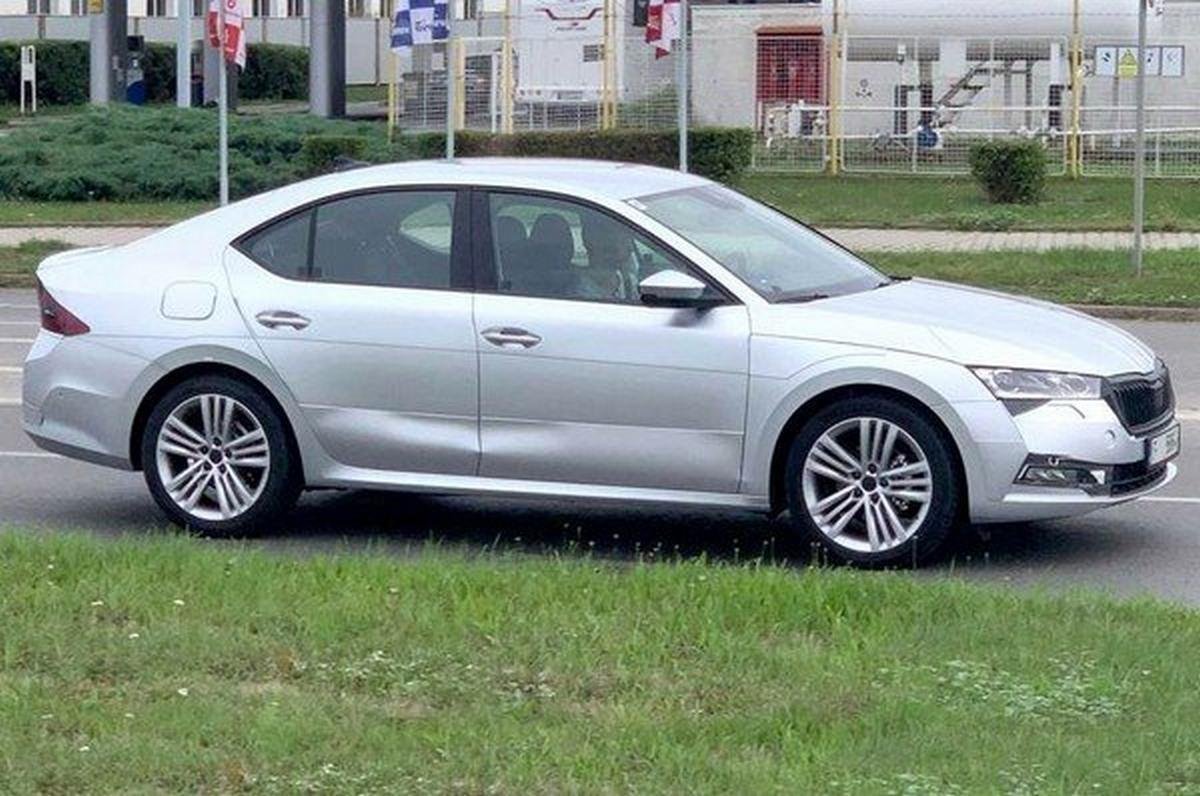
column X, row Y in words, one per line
column 361, row 478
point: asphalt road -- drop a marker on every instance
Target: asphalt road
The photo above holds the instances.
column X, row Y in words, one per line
column 1148, row 547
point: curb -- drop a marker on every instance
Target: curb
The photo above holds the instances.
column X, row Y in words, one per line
column 1123, row 312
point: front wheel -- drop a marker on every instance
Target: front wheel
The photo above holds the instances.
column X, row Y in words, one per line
column 217, row 459
column 873, row 482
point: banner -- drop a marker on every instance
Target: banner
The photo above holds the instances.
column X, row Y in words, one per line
column 235, row 38
column 662, row 25
column 419, row 22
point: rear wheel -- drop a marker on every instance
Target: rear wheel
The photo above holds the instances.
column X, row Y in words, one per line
column 217, row 458
column 873, row 482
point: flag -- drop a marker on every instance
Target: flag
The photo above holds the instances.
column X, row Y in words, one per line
column 662, row 25
column 235, row 38
column 419, row 22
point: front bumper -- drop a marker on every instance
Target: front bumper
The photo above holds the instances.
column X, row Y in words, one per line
column 1087, row 432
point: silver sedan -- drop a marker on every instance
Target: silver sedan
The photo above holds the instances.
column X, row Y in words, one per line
column 584, row 330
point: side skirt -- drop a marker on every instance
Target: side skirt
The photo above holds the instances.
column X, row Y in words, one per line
column 358, row 478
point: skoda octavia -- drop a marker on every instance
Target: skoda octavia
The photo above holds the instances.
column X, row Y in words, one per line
column 581, row 330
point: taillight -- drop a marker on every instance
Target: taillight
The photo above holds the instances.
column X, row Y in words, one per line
column 57, row 318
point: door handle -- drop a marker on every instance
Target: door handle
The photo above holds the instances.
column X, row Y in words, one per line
column 509, row 337
column 273, row 319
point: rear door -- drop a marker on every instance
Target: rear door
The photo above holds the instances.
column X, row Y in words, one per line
column 362, row 304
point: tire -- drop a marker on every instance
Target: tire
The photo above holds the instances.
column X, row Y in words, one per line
column 896, row 505
column 252, row 478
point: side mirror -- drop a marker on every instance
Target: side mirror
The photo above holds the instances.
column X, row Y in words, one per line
column 671, row 288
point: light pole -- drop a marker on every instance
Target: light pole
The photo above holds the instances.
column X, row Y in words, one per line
column 1139, row 148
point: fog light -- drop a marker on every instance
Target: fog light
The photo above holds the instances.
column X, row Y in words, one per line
column 1053, row 471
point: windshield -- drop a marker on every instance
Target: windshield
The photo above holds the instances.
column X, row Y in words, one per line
column 780, row 258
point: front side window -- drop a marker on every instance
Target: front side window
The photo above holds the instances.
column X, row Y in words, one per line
column 387, row 239
column 781, row 259
column 551, row 248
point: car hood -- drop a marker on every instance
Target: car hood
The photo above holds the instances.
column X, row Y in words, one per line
column 966, row 325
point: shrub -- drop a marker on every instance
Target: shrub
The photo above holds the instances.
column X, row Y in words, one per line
column 273, row 71
column 1010, row 171
column 716, row 152
column 319, row 153
column 62, row 71
column 124, row 153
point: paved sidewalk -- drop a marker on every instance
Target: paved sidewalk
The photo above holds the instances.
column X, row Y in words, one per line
column 857, row 239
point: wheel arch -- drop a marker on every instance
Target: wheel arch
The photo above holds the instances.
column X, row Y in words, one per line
column 178, row 375
column 777, row 486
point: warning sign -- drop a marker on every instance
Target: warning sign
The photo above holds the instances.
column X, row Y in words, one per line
column 1127, row 62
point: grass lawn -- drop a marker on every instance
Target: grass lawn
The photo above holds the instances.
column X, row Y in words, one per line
column 849, row 201
column 158, row 664
column 49, row 214
column 1097, row 203
column 18, row 263
column 1170, row 279
column 1068, row 275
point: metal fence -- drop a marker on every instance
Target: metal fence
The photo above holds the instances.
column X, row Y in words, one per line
column 822, row 92
column 818, row 101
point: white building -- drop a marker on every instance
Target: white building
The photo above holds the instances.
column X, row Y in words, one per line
column 163, row 8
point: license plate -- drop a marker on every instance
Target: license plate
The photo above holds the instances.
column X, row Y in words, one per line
column 1162, row 447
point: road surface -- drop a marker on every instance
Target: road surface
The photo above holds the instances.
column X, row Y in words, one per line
column 1148, row 547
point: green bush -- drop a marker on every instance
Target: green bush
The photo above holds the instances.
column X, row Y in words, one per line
column 273, row 71
column 1010, row 172
column 319, row 153
column 718, row 153
column 62, row 71
column 165, row 153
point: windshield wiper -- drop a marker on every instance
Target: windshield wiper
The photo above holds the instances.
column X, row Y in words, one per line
column 801, row 298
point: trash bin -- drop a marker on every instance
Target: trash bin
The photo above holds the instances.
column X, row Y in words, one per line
column 197, row 91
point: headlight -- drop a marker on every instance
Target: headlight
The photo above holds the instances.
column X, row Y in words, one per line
column 1009, row 384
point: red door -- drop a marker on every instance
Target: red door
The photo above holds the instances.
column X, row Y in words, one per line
column 790, row 66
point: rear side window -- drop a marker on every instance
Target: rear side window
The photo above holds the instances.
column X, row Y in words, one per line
column 388, row 239
column 282, row 248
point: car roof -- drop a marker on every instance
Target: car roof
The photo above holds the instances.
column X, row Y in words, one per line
column 613, row 180
column 604, row 181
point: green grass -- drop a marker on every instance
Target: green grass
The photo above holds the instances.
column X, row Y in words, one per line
column 1097, row 203
column 1076, row 276
column 18, row 263
column 367, row 93
column 43, row 214
column 850, row 201
column 164, row 665
column 1073, row 276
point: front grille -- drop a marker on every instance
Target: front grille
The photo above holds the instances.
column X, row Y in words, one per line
column 1129, row 478
column 1141, row 402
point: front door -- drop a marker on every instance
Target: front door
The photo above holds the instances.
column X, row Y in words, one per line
column 362, row 304
column 579, row 381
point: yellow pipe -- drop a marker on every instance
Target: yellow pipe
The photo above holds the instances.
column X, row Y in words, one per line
column 507, row 87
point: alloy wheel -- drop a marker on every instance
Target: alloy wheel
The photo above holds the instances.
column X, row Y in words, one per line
column 213, row 457
column 867, row 484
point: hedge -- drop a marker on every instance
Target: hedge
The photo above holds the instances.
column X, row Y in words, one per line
column 1010, row 172
column 125, row 153
column 719, row 153
column 273, row 71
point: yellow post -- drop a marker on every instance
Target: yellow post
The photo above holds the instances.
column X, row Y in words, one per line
column 1075, row 137
column 393, row 97
column 833, row 126
column 607, row 74
column 506, row 72
column 460, row 85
